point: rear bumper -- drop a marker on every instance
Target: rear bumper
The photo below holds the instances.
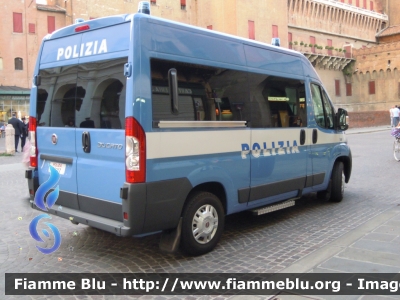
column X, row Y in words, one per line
column 148, row 207
column 89, row 219
column 33, row 182
column 118, row 228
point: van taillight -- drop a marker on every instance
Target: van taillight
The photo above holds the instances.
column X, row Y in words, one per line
column 135, row 151
column 32, row 137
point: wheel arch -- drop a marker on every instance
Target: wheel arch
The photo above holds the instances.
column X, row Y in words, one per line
column 347, row 165
column 212, row 187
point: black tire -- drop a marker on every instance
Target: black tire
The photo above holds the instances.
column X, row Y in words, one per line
column 337, row 182
column 202, row 223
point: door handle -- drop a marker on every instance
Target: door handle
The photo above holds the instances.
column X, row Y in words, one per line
column 302, row 137
column 314, row 136
column 86, row 142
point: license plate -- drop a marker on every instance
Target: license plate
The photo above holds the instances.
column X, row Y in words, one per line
column 59, row 167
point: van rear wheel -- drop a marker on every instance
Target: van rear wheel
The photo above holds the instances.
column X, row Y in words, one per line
column 202, row 223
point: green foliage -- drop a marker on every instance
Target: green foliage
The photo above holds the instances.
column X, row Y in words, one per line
column 349, row 69
column 5, row 154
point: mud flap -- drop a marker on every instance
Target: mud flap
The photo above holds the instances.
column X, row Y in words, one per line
column 170, row 239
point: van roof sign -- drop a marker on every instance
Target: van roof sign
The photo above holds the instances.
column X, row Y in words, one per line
column 87, row 43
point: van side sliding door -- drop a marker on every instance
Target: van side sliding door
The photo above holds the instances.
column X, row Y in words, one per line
column 279, row 150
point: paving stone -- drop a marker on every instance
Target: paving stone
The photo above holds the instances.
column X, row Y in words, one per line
column 371, row 256
column 349, row 266
column 387, row 229
column 375, row 236
column 383, row 247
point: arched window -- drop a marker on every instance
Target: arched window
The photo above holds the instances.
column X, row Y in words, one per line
column 1, row 63
column 19, row 63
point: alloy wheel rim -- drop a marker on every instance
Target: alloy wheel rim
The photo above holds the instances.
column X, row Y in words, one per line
column 205, row 224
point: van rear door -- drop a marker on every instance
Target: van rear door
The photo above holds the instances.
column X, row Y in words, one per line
column 100, row 137
column 82, row 76
column 56, row 103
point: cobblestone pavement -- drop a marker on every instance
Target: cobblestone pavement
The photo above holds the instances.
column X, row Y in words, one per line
column 264, row 244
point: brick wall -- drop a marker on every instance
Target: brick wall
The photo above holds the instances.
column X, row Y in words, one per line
column 369, row 119
column 24, row 45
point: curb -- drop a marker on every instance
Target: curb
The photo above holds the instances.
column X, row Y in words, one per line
column 367, row 129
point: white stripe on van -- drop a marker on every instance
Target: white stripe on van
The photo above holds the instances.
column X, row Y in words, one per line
column 190, row 143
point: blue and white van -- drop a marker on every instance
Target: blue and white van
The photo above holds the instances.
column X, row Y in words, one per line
column 157, row 126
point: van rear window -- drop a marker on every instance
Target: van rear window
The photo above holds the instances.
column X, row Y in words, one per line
column 70, row 95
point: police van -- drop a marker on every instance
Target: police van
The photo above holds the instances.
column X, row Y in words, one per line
column 158, row 126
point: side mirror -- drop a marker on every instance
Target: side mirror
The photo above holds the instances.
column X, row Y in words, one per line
column 342, row 119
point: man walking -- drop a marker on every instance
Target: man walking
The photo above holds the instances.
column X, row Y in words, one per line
column 391, row 116
column 18, row 127
column 396, row 113
column 24, row 133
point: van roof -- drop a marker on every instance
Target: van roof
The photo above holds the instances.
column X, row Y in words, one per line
column 118, row 19
column 123, row 18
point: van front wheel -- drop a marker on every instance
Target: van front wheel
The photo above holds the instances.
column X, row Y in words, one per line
column 337, row 189
column 202, row 223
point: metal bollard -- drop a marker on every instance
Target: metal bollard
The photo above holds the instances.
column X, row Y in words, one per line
column 10, row 139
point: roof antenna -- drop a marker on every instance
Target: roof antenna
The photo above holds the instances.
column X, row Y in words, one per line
column 144, row 7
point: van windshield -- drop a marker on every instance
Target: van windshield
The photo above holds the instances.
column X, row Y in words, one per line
column 71, row 95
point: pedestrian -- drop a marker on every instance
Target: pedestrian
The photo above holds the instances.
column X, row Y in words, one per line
column 396, row 113
column 70, row 124
column 87, row 123
column 18, row 127
column 391, row 116
column 2, row 129
column 24, row 133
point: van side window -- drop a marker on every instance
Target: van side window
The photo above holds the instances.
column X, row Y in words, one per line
column 323, row 110
column 286, row 101
column 217, row 94
column 205, row 93
column 330, row 113
column 70, row 95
